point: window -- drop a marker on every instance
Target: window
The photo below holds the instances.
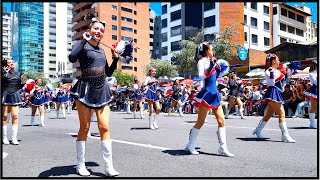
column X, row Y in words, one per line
column 51, row 47
column 52, row 55
column 151, row 44
column 210, row 21
column 114, row 17
column 266, row 25
column 274, row 12
column 126, row 28
column 245, row 4
column 209, row 37
column 265, row 9
column 284, row 12
column 164, row 51
column 209, row 5
column 283, row 27
column 266, row 41
column 135, row 50
column 52, row 33
column 300, row 18
column 135, row 40
column 299, row 32
column 164, row 37
column 125, row 38
column 174, row 3
column 164, row 9
column 135, row 69
column 52, row 40
column 245, row 19
column 126, row 9
column 292, row 15
column 176, row 15
column 52, row 69
column 126, row 19
column 151, row 28
column 52, row 26
column 151, row 36
column 135, row 59
column 135, row 31
column 114, row 27
column 52, row 11
column 52, row 62
column 245, row 36
column 113, row 7
column 291, row 29
column 254, row 5
column 127, row 67
column 254, row 22
column 164, row 23
column 151, row 20
column 175, row 46
column 135, row 12
column 283, row 40
column 114, row 37
column 254, row 39
column 175, row 31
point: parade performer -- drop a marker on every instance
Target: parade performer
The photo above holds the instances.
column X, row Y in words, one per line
column 276, row 81
column 37, row 101
column 11, row 99
column 92, row 93
column 235, row 90
column 129, row 95
column 209, row 97
column 176, row 97
column 152, row 98
column 137, row 99
column 311, row 94
column 48, row 96
column 69, row 100
column 60, row 98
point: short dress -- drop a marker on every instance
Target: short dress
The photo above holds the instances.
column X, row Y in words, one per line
column 137, row 93
column 92, row 89
column 311, row 93
column 275, row 85
column 208, row 96
column 11, row 86
column 176, row 93
column 152, row 94
column 38, row 97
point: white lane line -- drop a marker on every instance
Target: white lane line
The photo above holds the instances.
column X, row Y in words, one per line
column 131, row 143
column 4, row 155
column 240, row 127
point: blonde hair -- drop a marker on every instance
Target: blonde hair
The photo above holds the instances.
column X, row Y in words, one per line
column 150, row 69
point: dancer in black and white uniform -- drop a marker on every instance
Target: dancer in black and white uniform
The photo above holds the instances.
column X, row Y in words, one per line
column 176, row 97
column 235, row 90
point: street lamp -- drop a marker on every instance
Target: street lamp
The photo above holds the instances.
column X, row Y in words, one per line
column 249, row 27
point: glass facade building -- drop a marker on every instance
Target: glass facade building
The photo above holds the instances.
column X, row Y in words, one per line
column 28, row 30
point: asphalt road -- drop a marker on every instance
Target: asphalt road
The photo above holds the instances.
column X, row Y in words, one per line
column 50, row 151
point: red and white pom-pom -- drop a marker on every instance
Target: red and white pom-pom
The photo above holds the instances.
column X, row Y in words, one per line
column 30, row 83
column 119, row 46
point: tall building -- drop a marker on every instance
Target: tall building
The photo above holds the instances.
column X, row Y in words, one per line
column 311, row 26
column 6, row 33
column 123, row 21
column 156, row 50
column 290, row 24
column 152, row 21
column 27, row 30
column 42, row 39
column 182, row 21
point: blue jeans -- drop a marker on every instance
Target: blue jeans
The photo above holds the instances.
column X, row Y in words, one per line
column 301, row 106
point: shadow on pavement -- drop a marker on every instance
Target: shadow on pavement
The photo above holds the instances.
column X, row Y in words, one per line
column 253, row 139
column 299, row 128
column 68, row 170
column 29, row 125
column 211, row 154
column 130, row 118
column 176, row 152
column 140, row 128
column 190, row 121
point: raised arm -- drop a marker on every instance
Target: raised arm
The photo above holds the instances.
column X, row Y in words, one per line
column 76, row 50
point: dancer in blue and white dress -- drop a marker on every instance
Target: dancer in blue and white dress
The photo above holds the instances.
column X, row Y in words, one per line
column 311, row 94
column 38, row 99
column 11, row 85
column 152, row 98
column 276, row 80
column 137, row 99
column 69, row 102
column 209, row 97
column 60, row 98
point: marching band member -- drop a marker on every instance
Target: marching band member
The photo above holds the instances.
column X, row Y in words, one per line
column 311, row 94
column 60, row 99
column 235, row 90
column 37, row 101
column 176, row 97
column 137, row 99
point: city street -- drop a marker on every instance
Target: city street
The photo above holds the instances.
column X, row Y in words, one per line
column 50, row 151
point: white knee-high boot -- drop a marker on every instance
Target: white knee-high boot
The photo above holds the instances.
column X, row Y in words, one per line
column 141, row 114
column 134, row 115
column 226, row 116
column 155, row 121
column 313, row 122
column 151, row 122
column 241, row 113
column 285, row 135
column 169, row 112
column 81, row 151
column 42, row 120
column 180, row 111
column 9, row 118
column 57, row 113
column 64, row 112
column 69, row 109
column 32, row 120
column 190, row 147
column 48, row 107
column 223, row 150
column 5, row 135
column 128, row 108
column 107, row 157
column 14, row 134
column 258, row 130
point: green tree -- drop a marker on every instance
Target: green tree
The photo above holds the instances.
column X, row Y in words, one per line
column 223, row 48
column 163, row 68
column 123, row 78
column 34, row 76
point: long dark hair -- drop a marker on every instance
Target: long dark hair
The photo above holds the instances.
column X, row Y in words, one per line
column 201, row 51
column 270, row 57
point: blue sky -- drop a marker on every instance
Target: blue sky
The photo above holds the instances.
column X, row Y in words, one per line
column 156, row 6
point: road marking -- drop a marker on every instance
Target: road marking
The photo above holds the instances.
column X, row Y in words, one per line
column 131, row 143
column 4, row 155
column 241, row 127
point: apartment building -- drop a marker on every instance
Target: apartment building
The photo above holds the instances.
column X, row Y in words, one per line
column 152, row 26
column 156, row 52
column 124, row 20
column 310, row 33
column 290, row 24
column 6, row 33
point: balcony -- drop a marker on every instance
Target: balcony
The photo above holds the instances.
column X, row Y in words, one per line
column 80, row 24
column 82, row 5
column 79, row 17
